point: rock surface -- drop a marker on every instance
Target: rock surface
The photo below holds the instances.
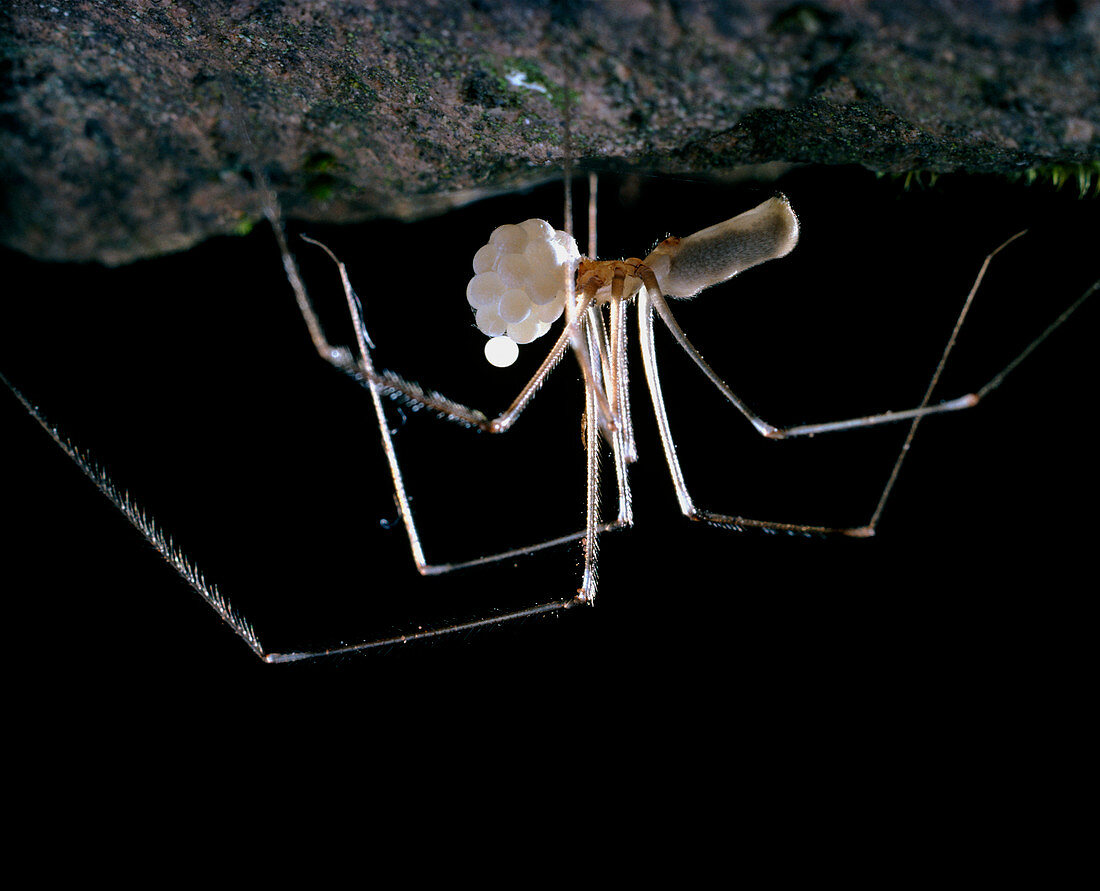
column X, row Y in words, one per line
column 129, row 130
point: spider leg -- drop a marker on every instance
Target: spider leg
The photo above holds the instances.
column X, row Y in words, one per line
column 602, row 418
column 650, row 300
column 968, row 400
column 587, row 592
column 394, row 385
column 339, row 356
column 193, row 576
column 378, row 383
column 619, row 432
column 668, row 443
column 423, row 634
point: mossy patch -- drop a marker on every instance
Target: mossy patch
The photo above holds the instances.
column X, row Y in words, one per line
column 1086, row 177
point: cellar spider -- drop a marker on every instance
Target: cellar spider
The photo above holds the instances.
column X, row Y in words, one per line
column 396, row 421
column 677, row 267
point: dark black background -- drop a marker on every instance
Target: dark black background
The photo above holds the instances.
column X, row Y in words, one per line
column 192, row 379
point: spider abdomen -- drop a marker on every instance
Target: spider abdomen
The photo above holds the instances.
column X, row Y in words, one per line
column 685, row 266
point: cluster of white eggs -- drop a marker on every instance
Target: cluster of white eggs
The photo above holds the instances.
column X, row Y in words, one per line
column 518, row 288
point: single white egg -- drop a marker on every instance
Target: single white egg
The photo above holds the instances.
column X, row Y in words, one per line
column 547, row 285
column 485, row 258
column 509, row 239
column 542, row 253
column 489, row 322
column 501, row 351
column 485, row 290
column 525, row 331
column 514, row 270
column 549, row 312
column 537, row 229
column 514, row 306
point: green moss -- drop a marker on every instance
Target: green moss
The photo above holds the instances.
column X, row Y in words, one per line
column 535, row 82
column 1086, row 176
column 532, row 71
column 914, row 179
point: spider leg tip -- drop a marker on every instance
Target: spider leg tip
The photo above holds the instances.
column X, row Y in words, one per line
column 861, row 532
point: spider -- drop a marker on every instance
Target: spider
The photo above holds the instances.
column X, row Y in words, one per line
column 677, row 267
column 208, row 416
